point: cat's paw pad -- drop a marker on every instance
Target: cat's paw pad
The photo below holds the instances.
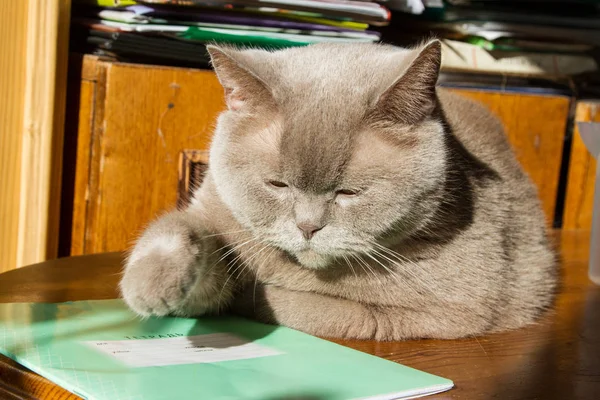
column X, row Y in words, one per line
column 160, row 274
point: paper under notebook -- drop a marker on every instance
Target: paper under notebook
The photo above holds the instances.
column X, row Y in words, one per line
column 100, row 350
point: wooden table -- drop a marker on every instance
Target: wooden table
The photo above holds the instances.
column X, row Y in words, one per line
column 558, row 358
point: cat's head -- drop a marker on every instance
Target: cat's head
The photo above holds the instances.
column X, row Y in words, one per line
column 326, row 149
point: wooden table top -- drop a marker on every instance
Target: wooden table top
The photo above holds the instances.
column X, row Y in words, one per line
column 558, row 358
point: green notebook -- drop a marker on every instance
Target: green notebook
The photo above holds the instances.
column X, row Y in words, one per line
column 101, row 350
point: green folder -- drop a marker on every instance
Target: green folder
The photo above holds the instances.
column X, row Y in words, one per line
column 106, row 3
column 101, row 350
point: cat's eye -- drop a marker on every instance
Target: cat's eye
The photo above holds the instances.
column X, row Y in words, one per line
column 278, row 184
column 347, row 192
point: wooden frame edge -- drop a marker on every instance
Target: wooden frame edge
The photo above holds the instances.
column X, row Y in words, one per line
column 46, row 50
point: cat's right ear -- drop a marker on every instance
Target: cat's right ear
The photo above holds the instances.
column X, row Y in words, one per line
column 412, row 97
column 243, row 88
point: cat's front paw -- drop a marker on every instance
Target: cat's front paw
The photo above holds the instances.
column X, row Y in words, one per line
column 160, row 274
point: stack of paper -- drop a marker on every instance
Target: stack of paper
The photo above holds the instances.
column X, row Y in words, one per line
column 554, row 39
column 262, row 23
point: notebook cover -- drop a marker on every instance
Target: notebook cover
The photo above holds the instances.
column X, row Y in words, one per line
column 101, row 350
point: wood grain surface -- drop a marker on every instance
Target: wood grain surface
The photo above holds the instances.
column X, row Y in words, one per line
column 557, row 358
column 535, row 126
column 579, row 200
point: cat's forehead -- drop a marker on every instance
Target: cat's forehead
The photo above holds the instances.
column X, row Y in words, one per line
column 338, row 63
column 328, row 70
column 323, row 93
column 315, row 148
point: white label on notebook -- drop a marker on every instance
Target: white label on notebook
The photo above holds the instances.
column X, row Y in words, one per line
column 215, row 347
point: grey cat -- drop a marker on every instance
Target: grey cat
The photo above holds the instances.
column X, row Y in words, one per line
column 347, row 196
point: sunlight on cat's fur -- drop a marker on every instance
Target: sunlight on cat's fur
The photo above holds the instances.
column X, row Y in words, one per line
column 347, row 196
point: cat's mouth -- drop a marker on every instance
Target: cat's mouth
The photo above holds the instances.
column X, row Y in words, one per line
column 311, row 259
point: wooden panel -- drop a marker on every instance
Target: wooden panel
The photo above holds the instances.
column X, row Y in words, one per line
column 41, row 151
column 92, row 193
column 143, row 118
column 13, row 24
column 87, row 102
column 535, row 126
column 582, row 173
column 33, row 43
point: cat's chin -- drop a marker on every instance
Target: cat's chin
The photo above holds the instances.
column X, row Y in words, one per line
column 311, row 259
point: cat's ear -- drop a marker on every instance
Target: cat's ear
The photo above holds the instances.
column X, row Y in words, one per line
column 412, row 97
column 243, row 88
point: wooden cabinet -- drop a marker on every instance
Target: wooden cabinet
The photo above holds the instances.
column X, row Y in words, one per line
column 135, row 121
column 536, row 127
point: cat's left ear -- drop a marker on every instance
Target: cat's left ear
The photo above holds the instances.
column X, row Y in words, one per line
column 412, row 97
column 243, row 88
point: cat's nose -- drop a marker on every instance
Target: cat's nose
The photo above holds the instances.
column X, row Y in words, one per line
column 308, row 229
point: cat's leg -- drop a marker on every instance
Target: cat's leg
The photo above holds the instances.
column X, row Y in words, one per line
column 305, row 311
column 334, row 317
column 174, row 269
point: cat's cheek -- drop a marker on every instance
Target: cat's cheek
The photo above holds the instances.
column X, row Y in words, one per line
column 279, row 194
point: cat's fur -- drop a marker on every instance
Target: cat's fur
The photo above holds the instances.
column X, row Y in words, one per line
column 445, row 237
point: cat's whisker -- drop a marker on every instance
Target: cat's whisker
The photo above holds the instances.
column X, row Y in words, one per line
column 386, row 268
column 233, row 245
column 368, row 270
column 210, row 270
column 225, row 233
column 255, row 255
column 354, row 257
column 382, row 285
column 238, row 264
column 242, row 269
column 240, row 254
column 393, row 274
column 403, row 260
column 399, row 257
column 350, row 265
column 258, row 268
column 255, row 264
column 245, row 263
column 232, row 268
column 398, row 260
column 388, row 251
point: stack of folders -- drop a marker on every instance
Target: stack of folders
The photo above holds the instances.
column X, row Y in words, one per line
column 556, row 40
column 175, row 31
